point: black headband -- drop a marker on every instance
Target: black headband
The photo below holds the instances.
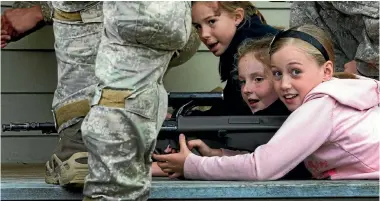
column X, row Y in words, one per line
column 303, row 36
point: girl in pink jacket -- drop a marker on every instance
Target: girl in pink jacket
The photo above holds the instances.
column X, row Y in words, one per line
column 334, row 126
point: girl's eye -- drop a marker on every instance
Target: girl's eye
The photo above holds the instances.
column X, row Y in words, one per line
column 259, row 79
column 211, row 22
column 277, row 74
column 295, row 72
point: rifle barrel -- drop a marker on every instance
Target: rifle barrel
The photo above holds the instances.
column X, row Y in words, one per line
column 30, row 126
column 177, row 99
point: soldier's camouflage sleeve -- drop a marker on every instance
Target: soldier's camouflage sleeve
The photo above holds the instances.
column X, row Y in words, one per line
column 368, row 49
column 46, row 8
column 298, row 13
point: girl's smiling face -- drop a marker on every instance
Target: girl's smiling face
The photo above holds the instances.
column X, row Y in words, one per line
column 295, row 74
column 256, row 85
column 215, row 26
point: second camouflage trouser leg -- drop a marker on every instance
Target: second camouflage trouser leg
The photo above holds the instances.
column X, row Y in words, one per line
column 76, row 44
column 130, row 105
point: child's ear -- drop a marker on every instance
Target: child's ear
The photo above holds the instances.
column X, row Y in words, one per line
column 328, row 70
column 239, row 16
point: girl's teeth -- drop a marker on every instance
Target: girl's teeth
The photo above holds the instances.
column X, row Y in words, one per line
column 290, row 96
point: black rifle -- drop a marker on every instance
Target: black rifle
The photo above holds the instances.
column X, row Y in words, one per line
column 182, row 102
column 211, row 129
column 215, row 131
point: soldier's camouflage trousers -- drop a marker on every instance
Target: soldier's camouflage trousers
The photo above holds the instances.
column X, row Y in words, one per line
column 130, row 104
column 76, row 45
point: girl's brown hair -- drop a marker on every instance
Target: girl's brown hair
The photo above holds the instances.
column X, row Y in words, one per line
column 259, row 49
column 316, row 33
column 231, row 6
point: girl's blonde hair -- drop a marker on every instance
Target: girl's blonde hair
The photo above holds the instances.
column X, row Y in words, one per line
column 259, row 49
column 314, row 31
column 231, row 6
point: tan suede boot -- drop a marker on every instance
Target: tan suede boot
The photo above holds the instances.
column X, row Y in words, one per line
column 68, row 164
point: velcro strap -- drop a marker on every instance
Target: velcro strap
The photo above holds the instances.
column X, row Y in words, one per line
column 114, row 98
column 67, row 16
column 71, row 111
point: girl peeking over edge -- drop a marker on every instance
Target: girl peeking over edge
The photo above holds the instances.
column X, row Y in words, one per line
column 222, row 26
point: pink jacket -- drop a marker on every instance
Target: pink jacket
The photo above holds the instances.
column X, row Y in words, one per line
column 336, row 132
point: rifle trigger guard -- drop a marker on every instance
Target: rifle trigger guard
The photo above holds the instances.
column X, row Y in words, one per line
column 183, row 108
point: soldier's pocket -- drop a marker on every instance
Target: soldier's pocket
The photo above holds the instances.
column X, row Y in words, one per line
column 93, row 13
column 144, row 104
column 163, row 25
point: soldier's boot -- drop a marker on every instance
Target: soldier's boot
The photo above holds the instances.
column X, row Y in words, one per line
column 68, row 164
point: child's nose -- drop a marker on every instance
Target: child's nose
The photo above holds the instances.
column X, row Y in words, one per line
column 247, row 89
column 205, row 33
column 285, row 83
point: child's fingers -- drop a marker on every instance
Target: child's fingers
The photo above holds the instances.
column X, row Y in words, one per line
column 5, row 38
column 160, row 157
column 194, row 143
column 168, row 149
column 182, row 142
column 175, row 175
column 167, row 170
column 168, row 115
column 163, row 165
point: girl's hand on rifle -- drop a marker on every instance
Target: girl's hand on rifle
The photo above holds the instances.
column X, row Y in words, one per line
column 203, row 149
column 173, row 164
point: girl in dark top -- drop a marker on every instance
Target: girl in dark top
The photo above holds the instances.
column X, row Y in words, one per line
column 222, row 27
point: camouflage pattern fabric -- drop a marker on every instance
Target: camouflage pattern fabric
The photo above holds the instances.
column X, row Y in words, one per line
column 189, row 50
column 74, row 6
column 76, row 47
column 137, row 44
column 353, row 27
